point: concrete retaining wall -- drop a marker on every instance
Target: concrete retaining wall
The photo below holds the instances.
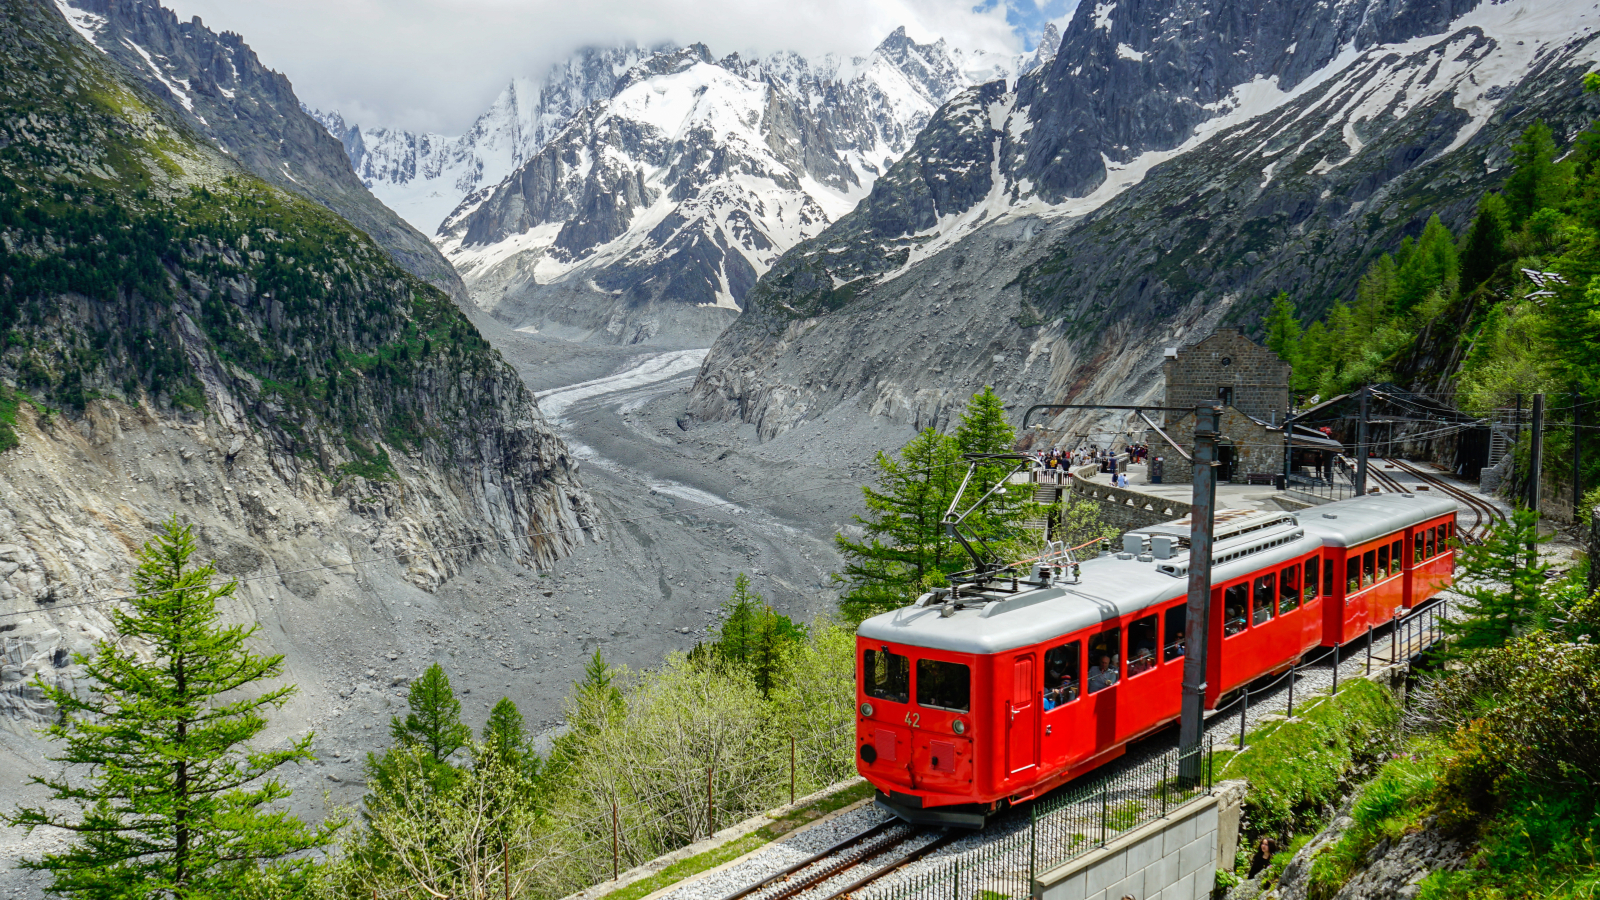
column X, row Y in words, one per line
column 1171, row 858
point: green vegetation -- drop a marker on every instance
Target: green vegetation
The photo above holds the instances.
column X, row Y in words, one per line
column 1502, row 592
column 170, row 797
column 1296, row 767
column 10, row 402
column 444, row 810
column 906, row 550
column 1443, row 296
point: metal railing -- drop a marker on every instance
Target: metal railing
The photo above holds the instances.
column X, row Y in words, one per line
column 1055, row 830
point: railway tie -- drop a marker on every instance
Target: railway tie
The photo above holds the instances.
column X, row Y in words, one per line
column 798, row 886
column 895, row 865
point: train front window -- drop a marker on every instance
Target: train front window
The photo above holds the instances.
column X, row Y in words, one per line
column 1062, row 668
column 1177, row 617
column 1105, row 659
column 1234, row 600
column 887, row 676
column 1142, row 641
column 944, row 685
column 1311, row 579
column 1289, row 590
column 1266, row 587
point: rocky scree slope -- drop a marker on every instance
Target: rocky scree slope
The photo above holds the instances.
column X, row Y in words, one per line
column 652, row 214
column 218, row 85
column 968, row 265
column 177, row 336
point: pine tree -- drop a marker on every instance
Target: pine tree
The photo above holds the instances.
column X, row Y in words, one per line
column 1503, row 592
column 1432, row 265
column 434, row 720
column 505, row 735
column 172, row 801
column 1537, row 180
column 1484, row 248
column 1283, row 329
column 736, row 638
column 984, row 428
column 753, row 636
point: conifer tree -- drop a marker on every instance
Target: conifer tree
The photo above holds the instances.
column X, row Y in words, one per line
column 1503, row 592
column 170, row 800
column 1283, row 329
column 505, row 735
column 434, row 720
column 1537, row 180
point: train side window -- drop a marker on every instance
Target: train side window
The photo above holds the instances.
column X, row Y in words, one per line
column 944, row 685
column 1312, row 565
column 1063, row 666
column 1417, row 546
column 1177, row 617
column 1433, row 549
column 1142, row 642
column 1263, row 608
column 1288, row 590
column 1327, row 579
column 1369, row 562
column 1234, row 600
column 1105, row 659
column 1383, row 561
column 1352, row 574
column 1394, row 557
column 888, row 675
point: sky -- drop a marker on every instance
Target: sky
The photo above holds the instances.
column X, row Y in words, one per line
column 435, row 65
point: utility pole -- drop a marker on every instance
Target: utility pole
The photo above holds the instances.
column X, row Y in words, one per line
column 1361, row 446
column 1577, row 469
column 1535, row 468
column 1198, row 625
column 1516, row 441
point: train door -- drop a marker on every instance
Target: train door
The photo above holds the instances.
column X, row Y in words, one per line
column 1022, row 718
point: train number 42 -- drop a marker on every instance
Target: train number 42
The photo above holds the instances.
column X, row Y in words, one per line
column 913, row 718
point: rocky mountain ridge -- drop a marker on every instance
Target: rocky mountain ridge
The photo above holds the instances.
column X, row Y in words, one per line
column 218, row 85
column 653, row 212
column 1142, row 229
column 179, row 337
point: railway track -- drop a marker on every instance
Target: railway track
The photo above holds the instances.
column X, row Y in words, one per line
column 811, row 873
column 1484, row 512
column 1387, row 482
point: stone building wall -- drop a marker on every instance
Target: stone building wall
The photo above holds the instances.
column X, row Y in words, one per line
column 1257, row 377
column 1256, row 447
column 1125, row 509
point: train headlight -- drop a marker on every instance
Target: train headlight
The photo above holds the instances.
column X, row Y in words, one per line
column 866, row 710
column 959, row 726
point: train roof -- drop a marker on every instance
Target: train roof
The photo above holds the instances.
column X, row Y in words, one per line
column 995, row 619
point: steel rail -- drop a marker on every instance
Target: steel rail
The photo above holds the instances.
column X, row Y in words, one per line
column 895, row 865
column 813, row 859
column 1483, row 510
column 829, row 872
column 1387, row 481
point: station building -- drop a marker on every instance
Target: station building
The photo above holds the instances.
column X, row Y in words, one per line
column 1252, row 384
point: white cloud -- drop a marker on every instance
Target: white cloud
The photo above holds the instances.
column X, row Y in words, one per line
column 436, row 64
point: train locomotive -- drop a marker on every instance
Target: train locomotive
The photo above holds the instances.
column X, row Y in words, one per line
column 1005, row 687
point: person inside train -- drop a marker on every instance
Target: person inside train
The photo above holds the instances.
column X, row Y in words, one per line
column 1234, row 621
column 1102, row 675
column 1175, row 646
column 1063, row 688
column 1141, row 660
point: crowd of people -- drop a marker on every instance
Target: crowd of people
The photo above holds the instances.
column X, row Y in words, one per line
column 1107, row 460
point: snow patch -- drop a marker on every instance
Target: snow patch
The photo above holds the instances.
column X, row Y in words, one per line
column 1102, row 15
column 83, row 22
column 1126, row 52
column 179, row 88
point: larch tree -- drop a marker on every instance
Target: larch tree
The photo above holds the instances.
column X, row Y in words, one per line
column 1502, row 592
column 1283, row 329
column 434, row 717
column 169, row 798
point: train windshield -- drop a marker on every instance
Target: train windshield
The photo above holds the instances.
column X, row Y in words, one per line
column 886, row 676
column 943, row 685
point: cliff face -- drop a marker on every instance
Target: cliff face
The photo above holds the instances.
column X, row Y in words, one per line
column 219, row 87
column 179, row 337
column 970, row 264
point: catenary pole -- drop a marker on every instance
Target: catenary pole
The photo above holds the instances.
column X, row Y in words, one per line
column 1197, row 627
column 1361, row 445
column 1535, row 466
column 1577, row 471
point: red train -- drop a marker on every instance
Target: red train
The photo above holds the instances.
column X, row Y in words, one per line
column 969, row 703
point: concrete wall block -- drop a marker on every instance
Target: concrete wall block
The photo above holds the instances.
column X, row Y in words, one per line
column 1145, row 853
column 1162, row 872
column 1107, row 872
column 1131, row 886
column 1074, row 887
column 1200, row 853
